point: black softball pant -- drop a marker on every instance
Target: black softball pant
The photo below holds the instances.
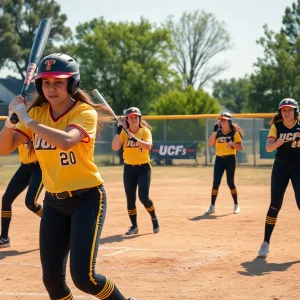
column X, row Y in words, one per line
column 74, row 225
column 27, row 175
column 227, row 163
column 282, row 172
column 137, row 176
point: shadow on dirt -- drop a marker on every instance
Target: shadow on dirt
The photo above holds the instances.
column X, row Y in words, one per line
column 208, row 217
column 259, row 266
column 120, row 238
column 8, row 253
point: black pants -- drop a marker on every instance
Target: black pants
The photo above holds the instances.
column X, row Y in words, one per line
column 73, row 225
column 27, row 175
column 137, row 176
column 282, row 173
column 227, row 163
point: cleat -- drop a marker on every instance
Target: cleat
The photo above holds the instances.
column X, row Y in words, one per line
column 132, row 230
column 236, row 209
column 155, row 223
column 4, row 243
column 264, row 249
column 131, row 298
column 210, row 210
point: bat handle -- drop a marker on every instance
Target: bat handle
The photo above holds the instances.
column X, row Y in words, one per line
column 14, row 118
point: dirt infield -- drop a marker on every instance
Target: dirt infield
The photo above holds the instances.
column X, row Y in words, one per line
column 193, row 257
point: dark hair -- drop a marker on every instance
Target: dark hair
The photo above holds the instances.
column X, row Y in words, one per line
column 237, row 128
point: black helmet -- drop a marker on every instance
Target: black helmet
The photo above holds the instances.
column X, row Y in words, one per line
column 289, row 102
column 132, row 111
column 58, row 65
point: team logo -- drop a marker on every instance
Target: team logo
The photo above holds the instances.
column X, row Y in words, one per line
column 49, row 63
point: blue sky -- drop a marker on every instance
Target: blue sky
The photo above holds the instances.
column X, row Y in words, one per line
column 243, row 20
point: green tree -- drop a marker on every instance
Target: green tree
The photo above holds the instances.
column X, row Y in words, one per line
column 127, row 62
column 19, row 21
column 189, row 102
column 232, row 93
column 277, row 74
column 198, row 37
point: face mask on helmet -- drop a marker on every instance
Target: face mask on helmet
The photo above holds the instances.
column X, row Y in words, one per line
column 58, row 65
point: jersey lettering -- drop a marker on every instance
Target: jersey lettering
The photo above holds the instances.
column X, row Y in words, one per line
column 288, row 136
column 40, row 144
column 131, row 144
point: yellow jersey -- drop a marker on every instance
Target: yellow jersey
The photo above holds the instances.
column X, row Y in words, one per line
column 72, row 169
column 24, row 155
column 133, row 154
column 221, row 145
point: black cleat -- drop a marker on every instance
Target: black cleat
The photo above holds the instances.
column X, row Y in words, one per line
column 132, row 230
column 155, row 223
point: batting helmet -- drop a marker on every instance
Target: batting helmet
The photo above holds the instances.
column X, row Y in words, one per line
column 58, row 65
column 289, row 102
column 132, row 111
column 226, row 116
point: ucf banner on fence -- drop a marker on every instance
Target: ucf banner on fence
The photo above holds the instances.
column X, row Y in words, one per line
column 174, row 151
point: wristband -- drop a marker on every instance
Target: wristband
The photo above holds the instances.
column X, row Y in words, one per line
column 134, row 139
column 119, row 129
column 9, row 124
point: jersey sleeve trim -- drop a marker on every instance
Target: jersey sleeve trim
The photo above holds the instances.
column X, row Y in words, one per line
column 81, row 129
column 20, row 131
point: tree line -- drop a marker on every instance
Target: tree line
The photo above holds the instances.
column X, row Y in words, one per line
column 161, row 69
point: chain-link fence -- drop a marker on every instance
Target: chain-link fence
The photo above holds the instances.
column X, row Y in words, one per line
column 181, row 131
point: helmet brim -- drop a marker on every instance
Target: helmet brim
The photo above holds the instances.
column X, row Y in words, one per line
column 133, row 114
column 54, row 75
column 224, row 118
column 288, row 105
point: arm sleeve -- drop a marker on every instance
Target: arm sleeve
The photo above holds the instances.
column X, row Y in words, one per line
column 272, row 132
column 237, row 138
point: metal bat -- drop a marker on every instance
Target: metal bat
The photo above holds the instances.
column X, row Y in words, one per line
column 101, row 99
column 36, row 53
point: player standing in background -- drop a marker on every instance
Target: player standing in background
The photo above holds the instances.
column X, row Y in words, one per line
column 284, row 136
column 137, row 169
column 29, row 175
column 227, row 138
column 63, row 122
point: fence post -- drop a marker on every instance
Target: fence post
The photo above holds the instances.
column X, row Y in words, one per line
column 206, row 139
column 165, row 135
column 254, row 143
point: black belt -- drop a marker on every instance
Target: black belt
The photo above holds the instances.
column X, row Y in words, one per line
column 137, row 165
column 70, row 194
column 226, row 156
column 29, row 164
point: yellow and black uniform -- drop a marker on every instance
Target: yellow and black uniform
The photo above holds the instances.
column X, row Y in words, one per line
column 225, row 160
column 286, row 167
column 29, row 175
column 137, row 173
column 74, row 205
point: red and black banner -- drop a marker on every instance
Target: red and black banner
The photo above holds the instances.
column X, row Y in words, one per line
column 174, row 150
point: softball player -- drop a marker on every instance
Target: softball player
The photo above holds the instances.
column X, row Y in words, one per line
column 62, row 122
column 137, row 168
column 29, row 175
column 227, row 138
column 284, row 136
